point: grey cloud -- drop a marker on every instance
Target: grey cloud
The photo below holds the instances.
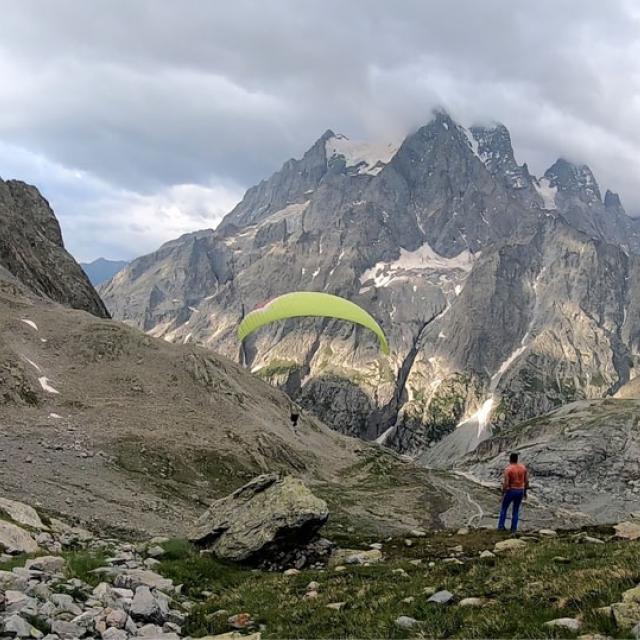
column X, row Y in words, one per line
column 151, row 94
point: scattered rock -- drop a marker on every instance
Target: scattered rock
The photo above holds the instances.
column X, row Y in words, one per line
column 583, row 538
column 571, row 624
column 155, row 552
column 11, row 580
column 21, row 513
column 487, row 554
column 548, row 533
column 291, row 572
column 355, row 556
column 66, row 630
column 405, row 622
column 15, row 625
column 133, row 578
column 114, row 634
column 14, row 539
column 472, row 602
column 464, row 531
column 511, row 544
column 251, row 522
column 336, row 605
column 628, row 530
column 441, row 597
column 48, row 564
column 418, row 533
column 560, row 560
column 146, row 606
column 240, row 621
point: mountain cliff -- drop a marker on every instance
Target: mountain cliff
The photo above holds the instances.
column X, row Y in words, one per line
column 533, row 282
column 31, row 248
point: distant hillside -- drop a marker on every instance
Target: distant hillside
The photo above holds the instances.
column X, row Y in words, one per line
column 101, row 270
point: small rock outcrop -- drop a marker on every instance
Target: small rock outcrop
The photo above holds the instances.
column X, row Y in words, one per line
column 628, row 530
column 14, row 539
column 261, row 518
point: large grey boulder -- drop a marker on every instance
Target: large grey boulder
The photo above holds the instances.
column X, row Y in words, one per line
column 264, row 515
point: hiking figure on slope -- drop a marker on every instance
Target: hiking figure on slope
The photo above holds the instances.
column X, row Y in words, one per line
column 515, row 482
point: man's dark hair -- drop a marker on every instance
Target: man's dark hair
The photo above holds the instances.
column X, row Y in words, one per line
column 513, row 458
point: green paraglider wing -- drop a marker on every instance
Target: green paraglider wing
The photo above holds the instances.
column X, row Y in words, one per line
column 310, row 303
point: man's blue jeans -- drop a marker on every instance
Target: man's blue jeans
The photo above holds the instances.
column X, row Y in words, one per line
column 511, row 497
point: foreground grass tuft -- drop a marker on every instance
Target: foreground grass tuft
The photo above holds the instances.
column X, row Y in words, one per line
column 199, row 572
column 81, row 563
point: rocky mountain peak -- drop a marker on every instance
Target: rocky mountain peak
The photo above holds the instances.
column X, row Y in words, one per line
column 612, row 200
column 493, row 147
column 572, row 180
column 32, row 250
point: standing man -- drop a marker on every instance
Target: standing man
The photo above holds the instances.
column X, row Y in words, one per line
column 515, row 482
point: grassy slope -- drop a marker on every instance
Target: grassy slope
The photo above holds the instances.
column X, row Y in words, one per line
column 523, row 590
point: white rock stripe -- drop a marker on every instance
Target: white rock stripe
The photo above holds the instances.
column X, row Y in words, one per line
column 44, row 383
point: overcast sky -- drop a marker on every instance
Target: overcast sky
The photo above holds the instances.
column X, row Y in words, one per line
column 143, row 119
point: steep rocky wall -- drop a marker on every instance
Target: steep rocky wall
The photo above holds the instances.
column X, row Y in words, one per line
column 31, row 248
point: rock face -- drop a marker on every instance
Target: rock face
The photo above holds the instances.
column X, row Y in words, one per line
column 31, row 248
column 261, row 517
column 535, row 283
column 583, row 460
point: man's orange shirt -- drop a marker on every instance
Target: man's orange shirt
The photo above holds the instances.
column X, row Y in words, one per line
column 516, row 476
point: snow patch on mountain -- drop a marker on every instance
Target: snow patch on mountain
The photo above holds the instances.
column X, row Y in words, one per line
column 44, row 383
column 367, row 157
column 422, row 259
column 30, row 323
column 547, row 193
column 472, row 142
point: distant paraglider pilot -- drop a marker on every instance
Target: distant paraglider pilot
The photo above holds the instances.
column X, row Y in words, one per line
column 515, row 482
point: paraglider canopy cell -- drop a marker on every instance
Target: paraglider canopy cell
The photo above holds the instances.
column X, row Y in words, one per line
column 310, row 304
